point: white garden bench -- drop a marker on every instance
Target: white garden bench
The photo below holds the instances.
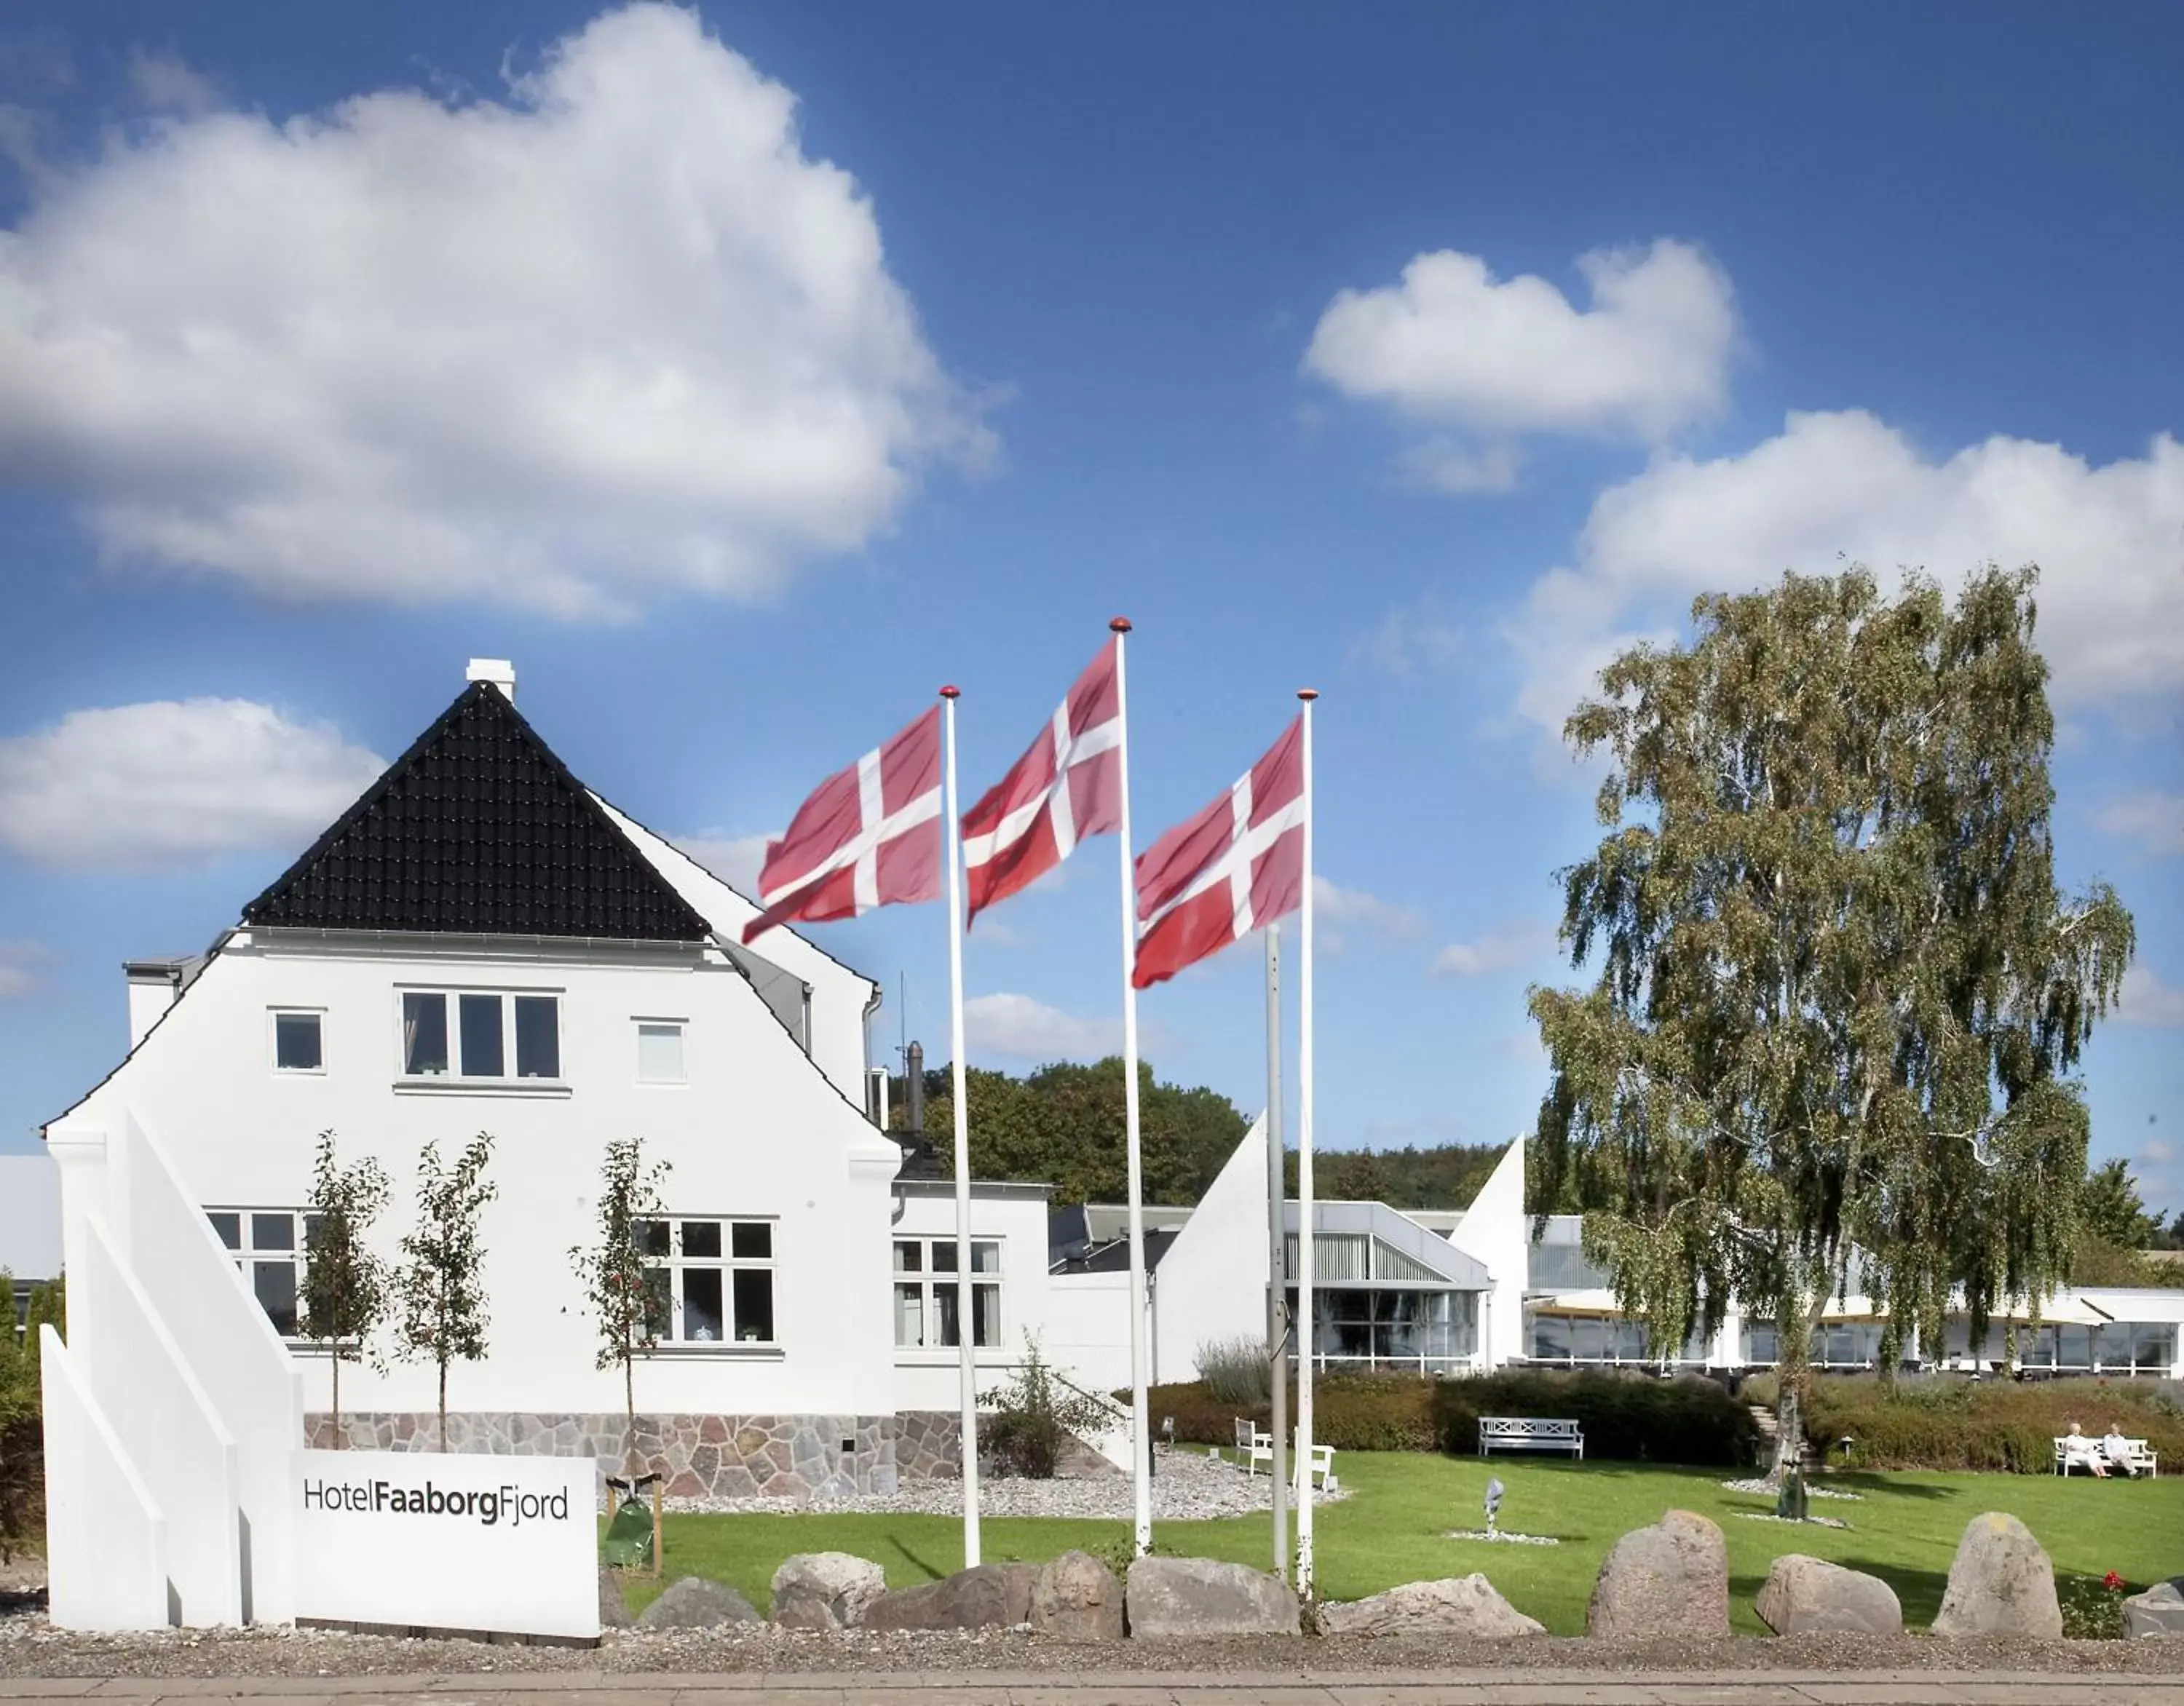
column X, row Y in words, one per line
column 2136, row 1454
column 1255, row 1445
column 1529, row 1433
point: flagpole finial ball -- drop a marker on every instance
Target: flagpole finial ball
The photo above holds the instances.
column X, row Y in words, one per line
column 951, row 692
column 1120, row 625
column 1308, row 694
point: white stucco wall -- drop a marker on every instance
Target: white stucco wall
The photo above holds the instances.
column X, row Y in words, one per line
column 106, row 1539
column 1494, row 1233
column 757, row 1129
column 931, row 1379
column 1088, row 1329
column 1212, row 1282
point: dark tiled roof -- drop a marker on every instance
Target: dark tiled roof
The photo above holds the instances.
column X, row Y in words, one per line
column 479, row 829
column 1115, row 1258
column 921, row 1157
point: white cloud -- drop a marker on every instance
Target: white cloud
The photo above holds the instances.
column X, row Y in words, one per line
column 735, row 859
column 2154, row 1149
column 1423, row 636
column 1502, row 949
column 1339, row 914
column 18, row 963
column 164, row 784
column 1832, row 487
column 1019, row 1027
column 2146, row 999
column 1461, row 471
column 165, row 84
column 612, row 337
column 2153, row 820
column 1451, row 343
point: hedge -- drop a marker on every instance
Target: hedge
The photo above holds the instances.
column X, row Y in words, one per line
column 1949, row 1422
column 1631, row 1417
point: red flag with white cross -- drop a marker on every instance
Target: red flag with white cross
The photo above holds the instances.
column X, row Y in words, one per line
column 868, row 836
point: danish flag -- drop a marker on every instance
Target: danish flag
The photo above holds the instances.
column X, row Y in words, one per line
column 1236, row 865
column 869, row 835
column 1067, row 786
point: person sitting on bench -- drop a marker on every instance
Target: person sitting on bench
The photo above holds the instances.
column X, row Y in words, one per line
column 2117, row 1450
column 2078, row 1451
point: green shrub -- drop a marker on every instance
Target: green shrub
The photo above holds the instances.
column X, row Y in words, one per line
column 1625, row 1416
column 1034, row 1419
column 1948, row 1422
column 1236, row 1371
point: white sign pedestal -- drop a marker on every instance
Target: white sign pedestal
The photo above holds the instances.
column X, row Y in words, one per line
column 499, row 1545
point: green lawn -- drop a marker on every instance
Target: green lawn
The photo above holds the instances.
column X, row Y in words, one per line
column 1905, row 1530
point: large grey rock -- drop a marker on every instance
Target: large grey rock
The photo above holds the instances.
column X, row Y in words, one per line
column 1174, row 1596
column 614, row 1607
column 2000, row 1583
column 1076, row 1597
column 2156, row 1614
column 693, row 1602
column 986, row 1596
column 1458, row 1605
column 1809, row 1596
column 1664, row 1582
column 825, row 1590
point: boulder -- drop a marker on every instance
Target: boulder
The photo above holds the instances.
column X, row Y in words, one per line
column 1076, row 1597
column 693, row 1602
column 1669, row 1581
column 2155, row 1613
column 825, row 1590
column 2000, row 1583
column 1464, row 1606
column 613, row 1608
column 986, row 1596
column 1183, row 1597
column 1809, row 1596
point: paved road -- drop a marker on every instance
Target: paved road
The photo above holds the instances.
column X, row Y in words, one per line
column 991, row 1688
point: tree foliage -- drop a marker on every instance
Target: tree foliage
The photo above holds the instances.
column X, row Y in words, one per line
column 346, row 1286
column 440, row 1286
column 613, row 1270
column 2111, row 1210
column 1839, row 999
column 22, row 1429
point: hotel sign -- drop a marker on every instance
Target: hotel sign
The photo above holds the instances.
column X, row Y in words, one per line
column 508, row 1545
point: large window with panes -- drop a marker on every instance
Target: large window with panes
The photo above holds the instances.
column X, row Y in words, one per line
column 480, row 1033
column 709, row 1280
column 269, row 1247
column 927, row 1303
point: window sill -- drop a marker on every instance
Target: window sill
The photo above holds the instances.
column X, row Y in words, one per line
column 726, row 1349
column 548, row 1088
column 920, row 1357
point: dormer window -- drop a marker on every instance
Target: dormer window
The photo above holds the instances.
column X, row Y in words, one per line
column 488, row 1032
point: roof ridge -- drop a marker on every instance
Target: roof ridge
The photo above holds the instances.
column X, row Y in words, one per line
column 457, row 835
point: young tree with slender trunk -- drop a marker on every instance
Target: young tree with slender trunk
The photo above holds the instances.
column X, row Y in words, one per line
column 1840, row 999
column 620, row 1284
column 344, row 1291
column 440, row 1290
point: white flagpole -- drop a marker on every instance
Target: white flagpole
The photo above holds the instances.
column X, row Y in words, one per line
column 1141, row 1467
column 1306, row 1314
column 966, row 1317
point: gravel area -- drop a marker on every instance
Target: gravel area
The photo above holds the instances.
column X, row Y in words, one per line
column 29, row 1647
column 1188, row 1486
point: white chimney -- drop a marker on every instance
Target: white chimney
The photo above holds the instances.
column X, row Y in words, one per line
column 498, row 671
column 154, row 984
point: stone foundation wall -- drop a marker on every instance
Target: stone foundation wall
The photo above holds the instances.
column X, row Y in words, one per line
column 801, row 1457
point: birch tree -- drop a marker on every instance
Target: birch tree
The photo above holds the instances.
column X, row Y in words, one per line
column 1840, row 1000
column 344, row 1295
column 618, row 1284
column 440, row 1289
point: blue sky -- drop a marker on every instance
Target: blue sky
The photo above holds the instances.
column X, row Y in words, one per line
column 744, row 374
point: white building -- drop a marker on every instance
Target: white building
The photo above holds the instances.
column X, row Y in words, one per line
column 483, row 944
column 1450, row 1292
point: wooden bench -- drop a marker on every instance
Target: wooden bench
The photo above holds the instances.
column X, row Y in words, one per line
column 1255, row 1445
column 1529, row 1433
column 2137, row 1455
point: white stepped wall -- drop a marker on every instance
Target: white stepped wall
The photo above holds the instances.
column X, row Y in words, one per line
column 106, row 1556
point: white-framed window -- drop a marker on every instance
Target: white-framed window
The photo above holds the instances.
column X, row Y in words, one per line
column 660, row 1057
column 927, row 1300
column 487, row 1033
column 298, row 1039
column 709, row 1279
column 269, row 1247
